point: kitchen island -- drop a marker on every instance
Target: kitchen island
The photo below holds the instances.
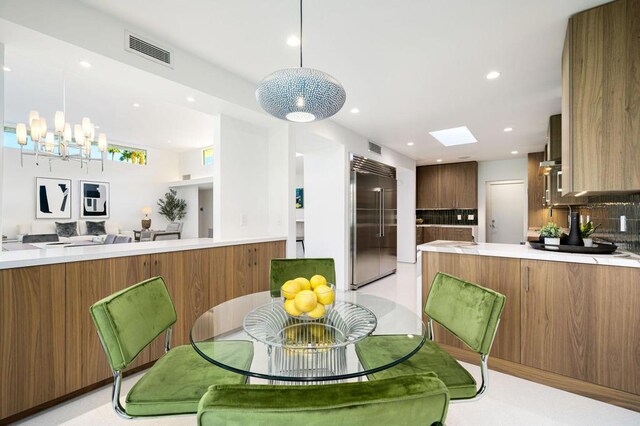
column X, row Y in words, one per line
column 50, row 350
column 570, row 321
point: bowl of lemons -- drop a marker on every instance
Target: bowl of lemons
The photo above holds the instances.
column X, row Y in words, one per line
column 308, row 299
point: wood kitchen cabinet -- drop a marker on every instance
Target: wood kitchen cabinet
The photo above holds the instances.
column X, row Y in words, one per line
column 582, row 321
column 86, row 283
column 434, row 233
column 600, row 92
column 447, row 186
column 497, row 273
column 32, row 337
column 419, row 235
column 535, row 191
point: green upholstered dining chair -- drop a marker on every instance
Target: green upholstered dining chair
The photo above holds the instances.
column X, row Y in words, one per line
column 418, row 399
column 470, row 312
column 127, row 322
column 283, row 270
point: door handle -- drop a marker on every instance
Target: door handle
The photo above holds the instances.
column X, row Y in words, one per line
column 382, row 212
column 526, row 278
column 255, row 256
column 559, row 183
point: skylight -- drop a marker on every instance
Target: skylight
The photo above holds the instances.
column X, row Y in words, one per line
column 454, row 136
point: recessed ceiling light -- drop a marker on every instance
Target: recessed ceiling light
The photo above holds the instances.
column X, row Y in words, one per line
column 97, row 127
column 298, row 154
column 168, row 141
column 6, row 68
column 136, row 105
column 410, row 143
column 190, row 99
column 493, row 75
column 439, row 160
column 464, row 157
column 454, row 136
column 508, row 129
column 85, row 64
column 355, row 110
column 293, row 40
column 514, row 152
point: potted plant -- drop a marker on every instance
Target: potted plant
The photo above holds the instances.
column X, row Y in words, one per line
column 172, row 207
column 113, row 151
column 586, row 230
column 551, row 234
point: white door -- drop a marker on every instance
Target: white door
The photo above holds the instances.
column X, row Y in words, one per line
column 506, row 208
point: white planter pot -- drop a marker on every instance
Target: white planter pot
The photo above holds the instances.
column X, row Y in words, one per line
column 588, row 242
column 552, row 241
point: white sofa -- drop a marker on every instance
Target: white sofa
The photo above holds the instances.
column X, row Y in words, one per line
column 49, row 227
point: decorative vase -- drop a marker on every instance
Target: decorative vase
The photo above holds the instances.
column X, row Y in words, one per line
column 146, row 223
column 575, row 237
column 588, row 242
column 552, row 241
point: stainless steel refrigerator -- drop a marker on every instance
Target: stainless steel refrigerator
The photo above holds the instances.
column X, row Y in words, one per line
column 374, row 236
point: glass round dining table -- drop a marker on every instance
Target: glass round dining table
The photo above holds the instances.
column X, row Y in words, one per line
column 287, row 349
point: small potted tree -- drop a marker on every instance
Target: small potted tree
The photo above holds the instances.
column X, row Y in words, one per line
column 587, row 229
column 172, row 207
column 551, row 234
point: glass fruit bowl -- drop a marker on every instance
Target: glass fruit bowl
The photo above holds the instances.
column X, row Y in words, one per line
column 309, row 305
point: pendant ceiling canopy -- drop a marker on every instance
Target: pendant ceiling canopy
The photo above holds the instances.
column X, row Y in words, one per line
column 300, row 94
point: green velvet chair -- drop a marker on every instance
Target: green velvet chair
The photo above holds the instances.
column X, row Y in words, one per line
column 127, row 322
column 283, row 270
column 469, row 311
column 419, row 399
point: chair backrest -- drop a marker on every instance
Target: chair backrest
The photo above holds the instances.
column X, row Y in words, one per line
column 413, row 399
column 122, row 239
column 159, row 236
column 174, row 227
column 40, row 238
column 283, row 270
column 110, row 239
column 467, row 310
column 127, row 321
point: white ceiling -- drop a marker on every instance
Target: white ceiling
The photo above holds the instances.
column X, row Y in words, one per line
column 46, row 76
column 411, row 66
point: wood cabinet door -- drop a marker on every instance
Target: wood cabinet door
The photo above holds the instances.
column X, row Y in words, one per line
column 88, row 282
column 431, row 233
column 497, row 273
column 264, row 252
column 32, row 337
column 465, row 178
column 456, row 234
column 582, row 321
column 428, row 187
column 188, row 277
column 420, row 235
column 449, row 183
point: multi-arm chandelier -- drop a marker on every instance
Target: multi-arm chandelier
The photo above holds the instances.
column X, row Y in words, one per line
column 62, row 143
column 300, row 94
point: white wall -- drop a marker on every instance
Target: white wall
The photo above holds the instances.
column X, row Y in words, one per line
column 205, row 212
column 191, row 221
column 300, row 183
column 191, row 163
column 2, row 172
column 491, row 171
column 132, row 187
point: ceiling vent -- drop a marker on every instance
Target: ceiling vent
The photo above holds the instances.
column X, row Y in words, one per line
column 375, row 148
column 147, row 49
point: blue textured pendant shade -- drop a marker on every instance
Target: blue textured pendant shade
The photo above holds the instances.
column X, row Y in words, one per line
column 300, row 94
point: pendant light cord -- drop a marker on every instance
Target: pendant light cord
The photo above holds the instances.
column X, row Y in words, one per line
column 300, row 33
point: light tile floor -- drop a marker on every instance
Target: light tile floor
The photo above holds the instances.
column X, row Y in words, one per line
column 509, row 401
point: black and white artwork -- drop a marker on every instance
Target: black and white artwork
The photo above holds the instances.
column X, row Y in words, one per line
column 94, row 199
column 53, row 198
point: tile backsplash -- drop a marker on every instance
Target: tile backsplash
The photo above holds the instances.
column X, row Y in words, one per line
column 448, row 217
column 607, row 210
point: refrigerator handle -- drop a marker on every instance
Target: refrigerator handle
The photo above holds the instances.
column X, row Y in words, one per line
column 382, row 212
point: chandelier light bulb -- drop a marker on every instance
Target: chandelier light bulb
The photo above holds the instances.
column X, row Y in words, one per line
column 33, row 115
column 21, row 133
column 78, row 134
column 92, row 132
column 67, row 135
column 48, row 142
column 58, row 121
column 35, row 129
column 43, row 126
column 102, row 142
column 86, row 126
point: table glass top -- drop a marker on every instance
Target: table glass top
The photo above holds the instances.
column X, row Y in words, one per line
column 289, row 349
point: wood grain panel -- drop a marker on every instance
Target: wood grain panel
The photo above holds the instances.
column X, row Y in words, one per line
column 188, row 277
column 431, row 233
column 497, row 273
column 583, row 321
column 32, row 336
column 567, row 112
column 86, row 283
column 466, row 188
column 428, row 187
column 456, row 234
column 535, row 191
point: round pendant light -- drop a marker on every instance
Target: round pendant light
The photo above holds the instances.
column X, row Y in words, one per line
column 300, row 94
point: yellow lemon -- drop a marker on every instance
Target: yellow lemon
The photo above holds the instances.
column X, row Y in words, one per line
column 290, row 289
column 317, row 280
column 306, row 300
column 290, row 307
column 304, row 283
column 324, row 294
column 317, row 312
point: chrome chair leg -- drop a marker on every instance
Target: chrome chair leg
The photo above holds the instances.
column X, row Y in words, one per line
column 115, row 396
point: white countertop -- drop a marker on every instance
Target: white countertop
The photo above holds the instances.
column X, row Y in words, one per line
column 518, row 251
column 22, row 258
